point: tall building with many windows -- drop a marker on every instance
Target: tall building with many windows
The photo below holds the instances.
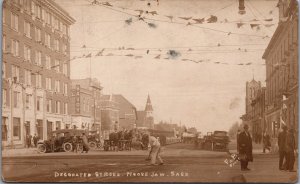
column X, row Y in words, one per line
column 281, row 58
column 35, row 69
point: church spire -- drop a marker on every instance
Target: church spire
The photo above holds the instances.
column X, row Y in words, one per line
column 148, row 105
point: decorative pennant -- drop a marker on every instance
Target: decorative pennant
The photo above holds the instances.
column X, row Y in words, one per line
column 185, row 18
column 106, row 4
column 128, row 21
column 170, row 17
column 157, row 57
column 199, row 21
column 212, row 19
column 100, row 52
column 152, row 25
column 268, row 25
column 254, row 25
column 239, row 25
column 89, row 55
column 268, row 19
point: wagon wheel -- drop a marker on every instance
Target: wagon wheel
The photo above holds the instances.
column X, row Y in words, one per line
column 92, row 145
column 41, row 148
column 67, row 147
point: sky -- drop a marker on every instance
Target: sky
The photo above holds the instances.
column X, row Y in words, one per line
column 208, row 95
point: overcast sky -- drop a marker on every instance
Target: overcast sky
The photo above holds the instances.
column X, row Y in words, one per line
column 208, row 95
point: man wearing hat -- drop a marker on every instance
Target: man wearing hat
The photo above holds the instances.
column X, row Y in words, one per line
column 282, row 146
column 245, row 148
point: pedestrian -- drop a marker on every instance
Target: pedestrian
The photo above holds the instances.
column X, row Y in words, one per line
column 245, row 148
column 52, row 143
column 85, row 143
column 35, row 140
column 282, row 146
column 237, row 140
column 28, row 140
column 290, row 149
column 155, row 150
column 266, row 142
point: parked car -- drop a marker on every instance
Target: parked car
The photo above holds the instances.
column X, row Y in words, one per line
column 62, row 140
column 218, row 140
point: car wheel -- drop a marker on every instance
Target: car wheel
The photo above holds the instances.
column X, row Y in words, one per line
column 41, row 148
column 92, row 145
column 79, row 148
column 67, row 147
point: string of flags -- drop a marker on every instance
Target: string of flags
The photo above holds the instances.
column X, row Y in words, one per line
column 192, row 20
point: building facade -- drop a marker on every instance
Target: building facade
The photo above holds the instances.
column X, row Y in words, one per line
column 35, row 69
column 281, row 58
column 85, row 103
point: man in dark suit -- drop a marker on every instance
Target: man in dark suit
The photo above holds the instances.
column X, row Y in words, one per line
column 290, row 149
column 245, row 148
column 282, row 146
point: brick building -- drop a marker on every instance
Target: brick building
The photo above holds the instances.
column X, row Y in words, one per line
column 85, row 103
column 281, row 58
column 109, row 115
column 35, row 69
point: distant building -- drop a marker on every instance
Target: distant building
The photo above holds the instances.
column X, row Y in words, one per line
column 109, row 115
column 35, row 69
column 85, row 107
column 127, row 113
column 281, row 58
column 145, row 118
column 252, row 89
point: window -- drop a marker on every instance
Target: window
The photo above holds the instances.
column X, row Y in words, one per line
column 66, row 108
column 64, row 29
column 56, row 45
column 38, row 11
column 16, row 99
column 14, row 21
column 17, row 128
column 48, row 83
column 38, row 58
column 4, row 128
column 27, row 53
column 38, row 80
column 48, row 62
column 64, row 48
column 28, row 101
column 15, row 48
column 27, row 29
column 3, row 16
column 56, row 23
column 65, row 69
column 27, row 77
column 49, row 105
column 56, row 65
column 38, row 35
column 4, row 43
column 57, row 107
column 4, row 97
column 47, row 40
column 66, row 89
column 4, row 70
column 57, row 86
column 15, row 72
column 38, row 103
column 48, row 17
column 39, row 128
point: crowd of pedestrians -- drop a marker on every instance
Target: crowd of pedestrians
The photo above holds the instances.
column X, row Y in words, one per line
column 31, row 141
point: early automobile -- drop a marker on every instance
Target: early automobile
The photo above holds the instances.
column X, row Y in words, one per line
column 62, row 140
column 218, row 140
column 94, row 140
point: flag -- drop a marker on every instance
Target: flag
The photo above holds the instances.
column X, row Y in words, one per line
column 239, row 24
column 157, row 57
column 212, row 19
column 170, row 17
column 89, row 55
column 284, row 98
column 185, row 18
column 199, row 21
column 254, row 25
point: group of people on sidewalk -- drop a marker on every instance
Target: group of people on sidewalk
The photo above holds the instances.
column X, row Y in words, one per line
column 31, row 141
column 286, row 144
